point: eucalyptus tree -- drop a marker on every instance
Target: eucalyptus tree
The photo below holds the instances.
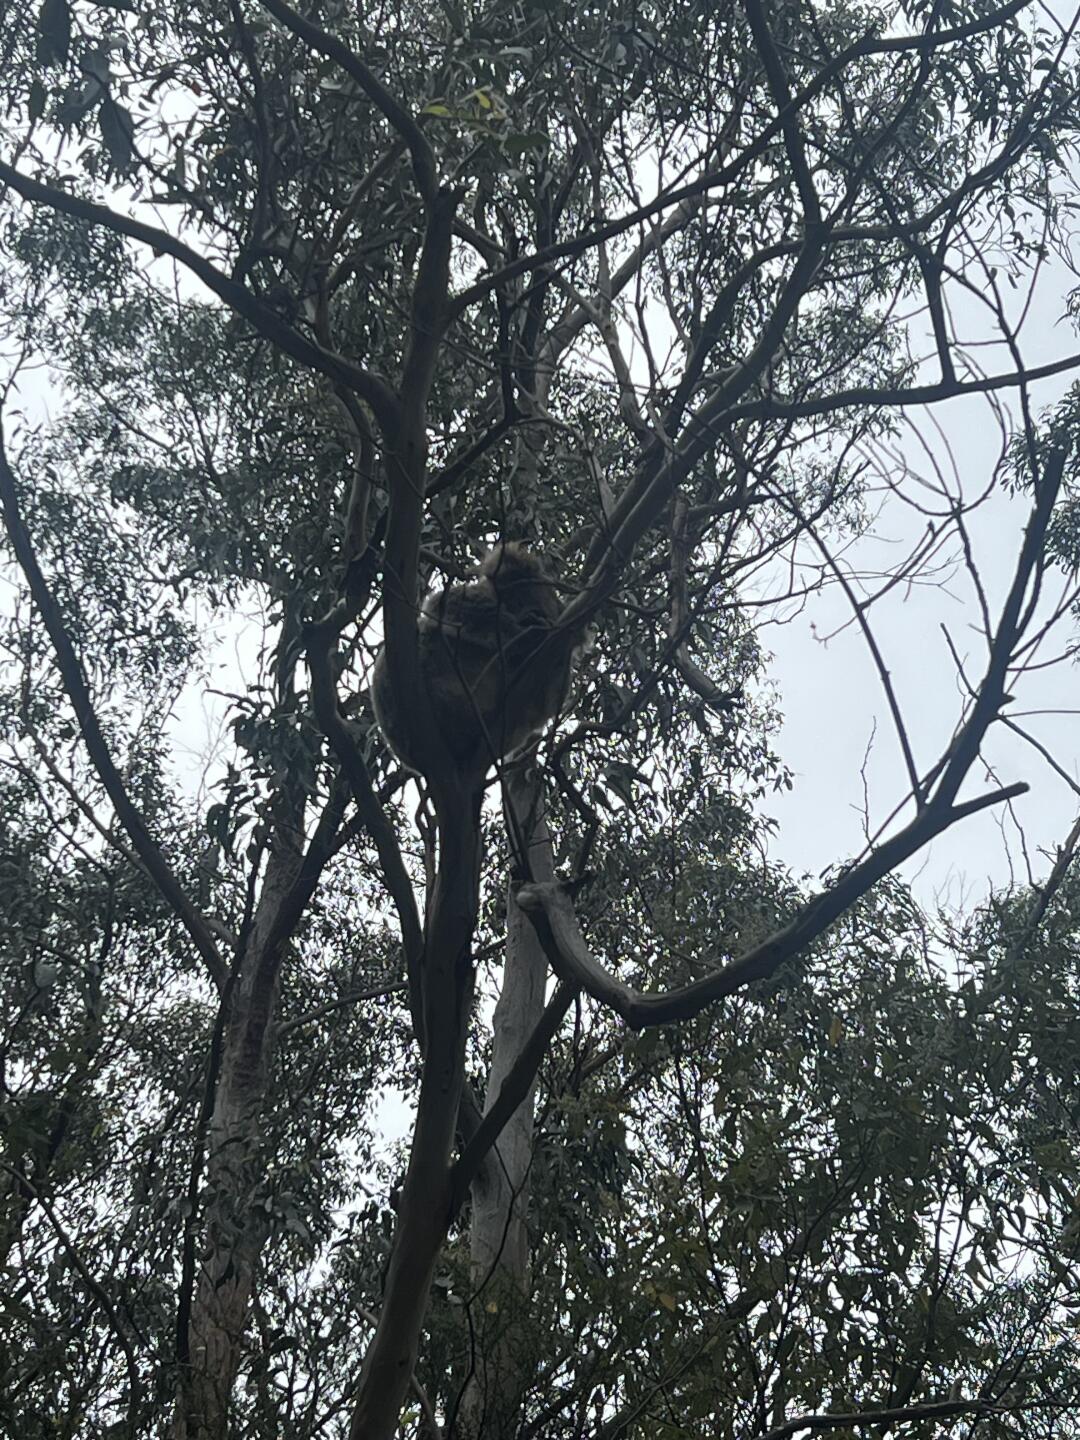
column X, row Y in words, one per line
column 330, row 303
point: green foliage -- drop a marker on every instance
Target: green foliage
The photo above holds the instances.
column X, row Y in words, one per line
column 854, row 1186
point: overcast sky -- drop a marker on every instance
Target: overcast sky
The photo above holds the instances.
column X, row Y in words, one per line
column 832, row 698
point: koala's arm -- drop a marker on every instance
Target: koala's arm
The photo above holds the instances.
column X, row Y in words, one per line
column 472, row 621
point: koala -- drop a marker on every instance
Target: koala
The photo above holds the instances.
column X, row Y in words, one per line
column 493, row 664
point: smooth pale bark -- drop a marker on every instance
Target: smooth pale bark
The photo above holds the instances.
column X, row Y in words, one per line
column 235, row 1223
column 499, row 1237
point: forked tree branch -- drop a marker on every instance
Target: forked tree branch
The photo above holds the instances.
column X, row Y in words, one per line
column 513, row 1091
column 727, row 174
column 423, row 160
column 550, row 909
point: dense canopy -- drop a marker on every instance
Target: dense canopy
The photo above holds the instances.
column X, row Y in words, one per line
column 344, row 1100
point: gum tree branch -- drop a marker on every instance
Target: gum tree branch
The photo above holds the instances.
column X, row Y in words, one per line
column 423, row 160
column 898, row 1415
column 71, row 673
column 550, row 909
column 898, row 397
column 263, row 318
column 373, row 992
column 93, row 1285
column 446, row 969
column 727, row 174
column 406, row 469
column 661, row 471
column 787, row 112
column 373, row 817
column 514, row 1090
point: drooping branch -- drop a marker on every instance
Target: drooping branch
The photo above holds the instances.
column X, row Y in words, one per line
column 71, row 673
column 261, row 317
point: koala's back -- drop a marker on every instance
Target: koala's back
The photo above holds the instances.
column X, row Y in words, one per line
column 484, row 666
column 493, row 668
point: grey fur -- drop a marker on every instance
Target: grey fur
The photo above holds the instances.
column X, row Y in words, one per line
column 493, row 664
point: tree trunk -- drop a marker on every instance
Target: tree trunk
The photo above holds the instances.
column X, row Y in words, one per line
column 500, row 1193
column 236, row 1225
column 424, row 1207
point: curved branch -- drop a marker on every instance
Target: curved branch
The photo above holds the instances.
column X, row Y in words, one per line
column 266, row 321
column 549, row 908
column 71, row 673
column 423, row 159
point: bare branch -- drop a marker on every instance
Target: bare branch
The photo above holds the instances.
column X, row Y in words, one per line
column 514, row 1090
column 550, row 909
column 992, row 693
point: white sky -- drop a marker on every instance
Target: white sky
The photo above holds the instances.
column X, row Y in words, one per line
column 832, row 697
